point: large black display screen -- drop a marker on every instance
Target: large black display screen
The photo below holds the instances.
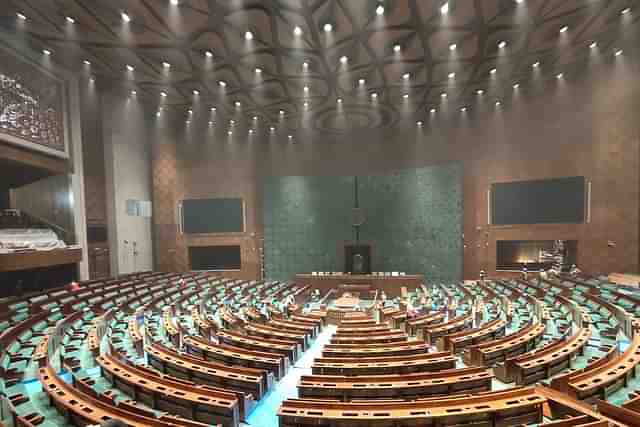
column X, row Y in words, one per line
column 212, row 216
column 559, row 200
column 215, row 258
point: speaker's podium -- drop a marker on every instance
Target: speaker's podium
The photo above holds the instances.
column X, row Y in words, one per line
column 390, row 283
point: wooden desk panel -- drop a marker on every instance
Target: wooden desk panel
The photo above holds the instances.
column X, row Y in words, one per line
column 38, row 259
column 390, row 285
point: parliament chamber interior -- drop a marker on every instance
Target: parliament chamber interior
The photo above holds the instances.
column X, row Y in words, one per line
column 327, row 213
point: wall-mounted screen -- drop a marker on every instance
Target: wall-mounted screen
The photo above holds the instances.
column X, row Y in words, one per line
column 215, row 258
column 201, row 216
column 559, row 200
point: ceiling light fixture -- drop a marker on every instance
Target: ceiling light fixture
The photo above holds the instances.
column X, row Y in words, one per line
column 166, row 65
column 405, row 96
column 229, row 132
column 21, row 16
column 380, row 10
column 433, row 111
column 272, row 129
column 208, row 54
column 222, row 83
column 452, row 75
column 255, row 118
column 498, row 103
column 516, row 85
column 453, row 47
column 248, row 35
column 210, row 122
column 419, row 123
column 493, row 71
column 306, row 88
column 444, row 9
column 564, row 29
column 70, row 20
column 297, row 31
column 174, row 2
column 281, row 112
column 86, row 62
column 134, row 93
column 339, row 100
column 213, row 109
column 397, row 47
column 238, row 104
column 361, row 82
column 196, row 92
column 479, row 91
column 250, row 131
column 593, row 45
column 536, row 64
column 190, row 111
column 625, row 11
column 374, row 95
column 343, row 59
column 328, row 27
column 463, row 109
column 443, row 95
column 618, row 52
column 130, row 67
column 46, row 52
column 559, row 75
column 502, row 44
column 125, row 17
column 406, row 76
column 258, row 70
column 163, row 94
column 305, row 64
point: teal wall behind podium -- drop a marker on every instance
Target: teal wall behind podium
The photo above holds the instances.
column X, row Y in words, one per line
column 413, row 220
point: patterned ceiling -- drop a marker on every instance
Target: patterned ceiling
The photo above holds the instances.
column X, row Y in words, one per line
column 408, row 56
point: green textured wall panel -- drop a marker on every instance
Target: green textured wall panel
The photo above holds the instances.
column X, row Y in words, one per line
column 413, row 219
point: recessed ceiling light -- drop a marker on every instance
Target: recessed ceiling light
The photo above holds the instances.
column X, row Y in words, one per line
column 92, row 79
column 406, row 76
column 502, row 44
column 463, row 109
column 258, row 70
column 255, row 118
column 305, row 104
column 453, row 46
column 443, row 95
column 190, row 111
column 208, row 54
column 222, row 83
column 134, row 93
column 516, row 85
column 374, row 95
column 250, row 131
column 229, row 132
column 232, row 122
column 396, row 48
column 343, row 59
column 213, row 109
column 444, row 9
column 281, row 112
column 166, row 65
column 433, row 110
column 125, row 17
column 238, row 104
column 593, row 45
column 158, row 113
column 297, row 30
column 305, row 64
column 21, row 16
column 210, row 122
column 479, row 91
column 196, row 92
column 493, row 71
column 163, row 94
column 625, row 11
column 519, row 1
column 86, row 62
column 339, row 100
column 536, row 64
column 379, row 9
column 405, row 96
column 188, row 122
column 46, row 51
column 70, row 20
column 174, row 2
column 498, row 103
column 618, row 52
column 564, row 29
column 419, row 123
column 361, row 81
column 272, row 129
column 328, row 27
column 130, row 67
column 248, row 35
column 559, row 75
column 452, row 75
column 306, row 88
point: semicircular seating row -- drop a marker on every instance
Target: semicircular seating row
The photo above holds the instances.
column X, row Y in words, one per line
column 168, row 349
